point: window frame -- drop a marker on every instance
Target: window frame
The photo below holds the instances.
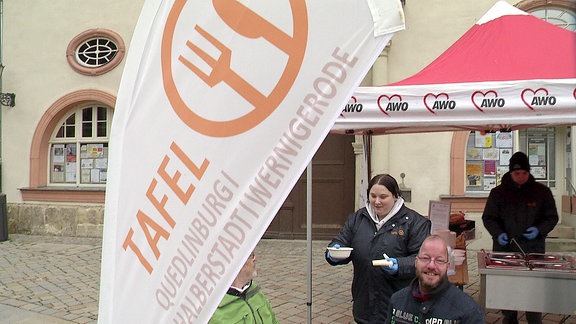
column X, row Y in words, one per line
column 71, row 51
column 499, row 168
column 534, row 5
column 546, row 138
column 526, row 140
column 78, row 140
column 37, row 189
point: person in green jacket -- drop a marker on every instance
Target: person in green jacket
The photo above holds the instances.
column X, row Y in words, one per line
column 244, row 302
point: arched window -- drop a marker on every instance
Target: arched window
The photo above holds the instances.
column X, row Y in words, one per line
column 540, row 145
column 487, row 155
column 561, row 13
column 40, row 187
column 79, row 147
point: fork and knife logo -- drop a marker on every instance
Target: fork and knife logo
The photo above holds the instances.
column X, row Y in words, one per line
column 179, row 72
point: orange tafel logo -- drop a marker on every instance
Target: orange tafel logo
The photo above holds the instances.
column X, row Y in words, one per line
column 245, row 22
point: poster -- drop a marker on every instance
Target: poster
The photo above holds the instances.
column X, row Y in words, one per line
column 539, row 172
column 505, row 155
column 85, row 175
column 482, row 140
column 439, row 215
column 489, row 183
column 58, row 174
column 70, row 173
column 500, row 172
column 58, row 153
column 87, row 163
column 537, row 153
column 504, row 139
column 473, row 153
column 490, row 154
column 70, row 152
column 490, row 168
column 95, row 176
column 473, row 174
column 95, row 150
column 101, row 163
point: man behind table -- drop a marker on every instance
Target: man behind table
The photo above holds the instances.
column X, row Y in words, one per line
column 521, row 209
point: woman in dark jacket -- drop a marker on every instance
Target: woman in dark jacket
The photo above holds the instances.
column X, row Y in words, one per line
column 386, row 228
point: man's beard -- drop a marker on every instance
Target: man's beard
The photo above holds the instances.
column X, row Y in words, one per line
column 426, row 285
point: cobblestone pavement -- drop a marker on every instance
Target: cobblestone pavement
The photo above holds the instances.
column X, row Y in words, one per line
column 55, row 280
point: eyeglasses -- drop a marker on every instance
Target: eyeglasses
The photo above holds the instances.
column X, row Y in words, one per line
column 426, row 260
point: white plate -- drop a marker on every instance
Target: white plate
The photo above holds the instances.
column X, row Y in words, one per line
column 340, row 253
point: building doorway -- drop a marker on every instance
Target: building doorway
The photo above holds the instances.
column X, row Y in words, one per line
column 333, row 170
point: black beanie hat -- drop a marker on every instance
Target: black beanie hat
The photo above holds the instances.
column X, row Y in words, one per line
column 519, row 161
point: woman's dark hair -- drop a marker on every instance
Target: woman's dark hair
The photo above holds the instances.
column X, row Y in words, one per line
column 387, row 181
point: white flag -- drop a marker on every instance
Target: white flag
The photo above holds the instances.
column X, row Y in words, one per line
column 221, row 107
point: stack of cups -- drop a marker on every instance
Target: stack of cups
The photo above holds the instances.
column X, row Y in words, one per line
column 450, row 238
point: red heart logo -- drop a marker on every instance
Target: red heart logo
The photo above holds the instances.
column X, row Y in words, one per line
column 434, row 98
column 389, row 99
column 528, row 90
column 353, row 102
column 484, row 94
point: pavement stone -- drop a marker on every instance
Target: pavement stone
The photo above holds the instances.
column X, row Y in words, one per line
column 55, row 280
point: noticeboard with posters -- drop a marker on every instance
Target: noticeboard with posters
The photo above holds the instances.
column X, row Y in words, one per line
column 487, row 156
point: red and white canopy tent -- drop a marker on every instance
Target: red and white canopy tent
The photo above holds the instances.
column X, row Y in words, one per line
column 511, row 70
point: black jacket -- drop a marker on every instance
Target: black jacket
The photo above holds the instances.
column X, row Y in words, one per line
column 399, row 238
column 511, row 209
column 446, row 304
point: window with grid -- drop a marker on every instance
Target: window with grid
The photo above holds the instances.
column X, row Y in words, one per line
column 539, row 143
column 79, row 147
column 488, row 154
column 96, row 52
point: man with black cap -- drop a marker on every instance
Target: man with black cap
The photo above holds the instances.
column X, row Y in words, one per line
column 521, row 209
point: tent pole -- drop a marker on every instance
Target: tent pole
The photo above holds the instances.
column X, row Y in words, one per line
column 309, row 236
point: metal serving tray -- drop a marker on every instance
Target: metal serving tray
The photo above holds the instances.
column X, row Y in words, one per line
column 532, row 261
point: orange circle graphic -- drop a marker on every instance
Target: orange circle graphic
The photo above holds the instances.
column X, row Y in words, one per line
column 250, row 25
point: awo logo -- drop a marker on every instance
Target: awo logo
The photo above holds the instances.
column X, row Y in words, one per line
column 391, row 104
column 537, row 98
column 439, row 101
column 218, row 60
column 352, row 107
column 488, row 99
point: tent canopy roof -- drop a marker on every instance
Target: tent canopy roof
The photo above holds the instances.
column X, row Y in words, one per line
column 509, row 54
column 513, row 45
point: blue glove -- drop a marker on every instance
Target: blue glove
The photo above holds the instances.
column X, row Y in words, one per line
column 531, row 232
column 394, row 269
column 334, row 246
column 503, row 239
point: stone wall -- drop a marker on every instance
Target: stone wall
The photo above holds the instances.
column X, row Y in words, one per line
column 57, row 220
